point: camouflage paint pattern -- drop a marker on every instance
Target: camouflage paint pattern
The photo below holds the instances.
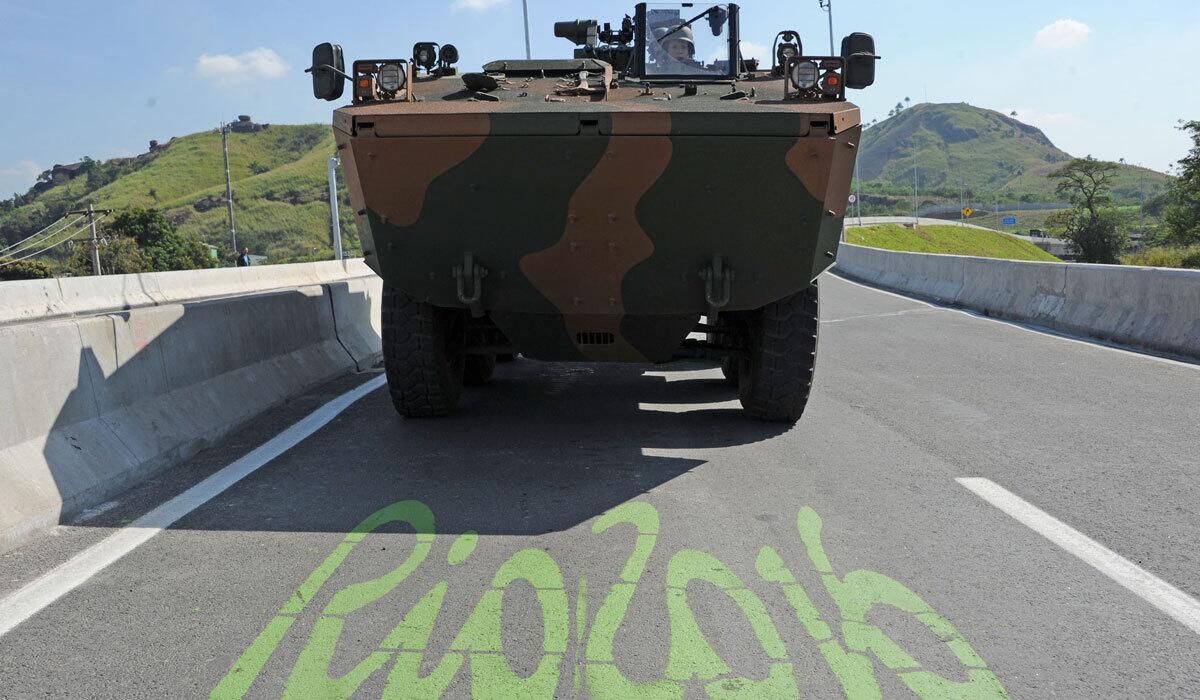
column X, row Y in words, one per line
column 595, row 214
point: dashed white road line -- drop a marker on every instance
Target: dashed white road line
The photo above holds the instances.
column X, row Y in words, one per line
column 32, row 598
column 1162, row 595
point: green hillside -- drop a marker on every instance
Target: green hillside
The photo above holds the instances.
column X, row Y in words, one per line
column 947, row 240
column 991, row 152
column 279, row 180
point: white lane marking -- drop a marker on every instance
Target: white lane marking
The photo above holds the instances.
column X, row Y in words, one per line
column 1028, row 328
column 689, row 407
column 855, row 318
column 1162, row 595
column 33, row 597
column 686, row 375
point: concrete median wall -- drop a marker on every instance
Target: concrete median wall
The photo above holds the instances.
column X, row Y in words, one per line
column 107, row 381
column 1153, row 308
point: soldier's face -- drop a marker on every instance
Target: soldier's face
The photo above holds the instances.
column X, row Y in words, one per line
column 677, row 50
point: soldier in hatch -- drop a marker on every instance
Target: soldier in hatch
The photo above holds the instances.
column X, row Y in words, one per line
column 674, row 51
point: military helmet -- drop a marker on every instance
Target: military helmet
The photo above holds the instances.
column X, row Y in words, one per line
column 674, row 32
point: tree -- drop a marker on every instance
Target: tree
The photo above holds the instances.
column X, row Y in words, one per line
column 118, row 256
column 143, row 240
column 1092, row 228
column 146, row 226
column 1085, row 182
column 1182, row 215
column 24, row 270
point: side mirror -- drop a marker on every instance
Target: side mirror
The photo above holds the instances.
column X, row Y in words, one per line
column 328, row 71
column 858, row 49
column 717, row 17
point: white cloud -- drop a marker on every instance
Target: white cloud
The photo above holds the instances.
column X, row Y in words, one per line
column 1062, row 34
column 256, row 64
column 753, row 50
column 19, row 177
column 477, row 5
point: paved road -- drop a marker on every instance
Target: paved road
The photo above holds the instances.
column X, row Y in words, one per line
column 612, row 530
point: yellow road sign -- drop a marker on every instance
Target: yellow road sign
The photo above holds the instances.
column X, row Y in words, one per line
column 968, row 211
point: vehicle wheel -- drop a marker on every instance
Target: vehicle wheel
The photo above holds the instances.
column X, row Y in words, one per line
column 479, row 369
column 775, row 380
column 729, row 368
column 424, row 355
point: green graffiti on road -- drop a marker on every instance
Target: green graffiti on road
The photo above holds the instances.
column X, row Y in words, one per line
column 855, row 648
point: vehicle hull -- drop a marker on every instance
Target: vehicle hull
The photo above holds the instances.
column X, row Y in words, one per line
column 597, row 226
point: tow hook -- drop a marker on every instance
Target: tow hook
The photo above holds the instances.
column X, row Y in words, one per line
column 718, row 280
column 476, row 272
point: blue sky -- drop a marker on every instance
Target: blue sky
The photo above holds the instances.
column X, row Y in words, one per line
column 101, row 79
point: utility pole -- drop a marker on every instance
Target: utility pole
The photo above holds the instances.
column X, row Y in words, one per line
column 528, row 51
column 93, row 235
column 916, row 218
column 95, row 241
column 228, row 186
column 334, row 162
column 827, row 5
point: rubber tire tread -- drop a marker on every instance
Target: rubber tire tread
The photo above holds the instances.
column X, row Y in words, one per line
column 776, row 381
column 422, row 381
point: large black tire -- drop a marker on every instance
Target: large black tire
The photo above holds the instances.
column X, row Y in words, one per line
column 424, row 355
column 479, row 369
column 775, row 380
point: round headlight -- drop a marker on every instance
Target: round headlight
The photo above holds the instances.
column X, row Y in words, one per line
column 391, row 77
column 805, row 75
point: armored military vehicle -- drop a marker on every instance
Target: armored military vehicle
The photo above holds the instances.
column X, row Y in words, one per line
column 655, row 197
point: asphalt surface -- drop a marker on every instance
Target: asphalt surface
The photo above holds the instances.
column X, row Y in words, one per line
column 841, row 555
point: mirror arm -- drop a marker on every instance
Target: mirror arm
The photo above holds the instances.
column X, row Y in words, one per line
column 329, row 68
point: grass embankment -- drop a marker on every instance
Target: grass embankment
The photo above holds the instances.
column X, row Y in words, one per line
column 280, row 193
column 1165, row 256
column 947, row 240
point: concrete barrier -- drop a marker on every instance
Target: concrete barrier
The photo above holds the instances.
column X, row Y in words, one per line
column 1153, row 308
column 107, row 381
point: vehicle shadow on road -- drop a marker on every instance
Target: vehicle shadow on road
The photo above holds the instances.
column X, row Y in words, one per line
column 542, row 448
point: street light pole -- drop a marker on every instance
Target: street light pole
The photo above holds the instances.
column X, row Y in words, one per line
column 827, row 5
column 336, row 222
column 528, row 50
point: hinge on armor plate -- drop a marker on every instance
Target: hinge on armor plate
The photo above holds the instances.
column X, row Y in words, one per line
column 476, row 272
column 717, row 277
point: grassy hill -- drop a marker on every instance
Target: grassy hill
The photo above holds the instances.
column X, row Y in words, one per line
column 948, row 240
column 279, row 181
column 990, row 151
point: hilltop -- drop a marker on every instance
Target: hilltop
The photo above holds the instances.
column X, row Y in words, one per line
column 990, row 151
column 279, row 179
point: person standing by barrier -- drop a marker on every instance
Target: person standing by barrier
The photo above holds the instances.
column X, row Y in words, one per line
column 243, row 260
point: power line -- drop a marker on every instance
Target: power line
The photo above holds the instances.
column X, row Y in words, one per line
column 28, row 241
column 47, row 248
